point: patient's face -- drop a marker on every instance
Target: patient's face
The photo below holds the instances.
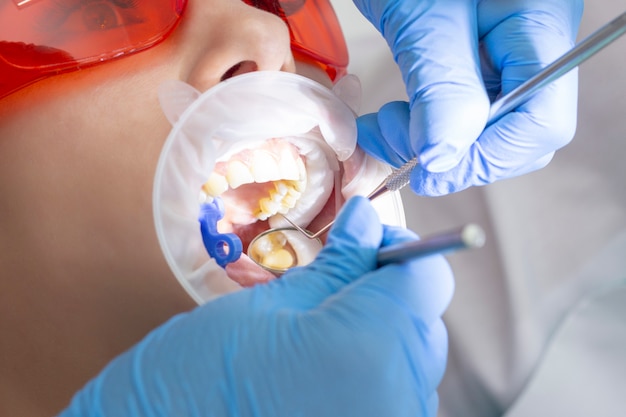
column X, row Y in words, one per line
column 78, row 153
column 91, row 139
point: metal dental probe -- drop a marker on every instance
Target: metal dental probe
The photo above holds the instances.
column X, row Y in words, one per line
column 584, row 50
column 467, row 237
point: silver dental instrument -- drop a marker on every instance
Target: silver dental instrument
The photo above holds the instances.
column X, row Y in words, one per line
column 584, row 50
column 467, row 237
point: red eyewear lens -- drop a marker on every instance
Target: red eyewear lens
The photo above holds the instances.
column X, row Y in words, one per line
column 315, row 32
column 42, row 38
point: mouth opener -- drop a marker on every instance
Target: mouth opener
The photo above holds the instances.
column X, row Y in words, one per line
column 584, row 50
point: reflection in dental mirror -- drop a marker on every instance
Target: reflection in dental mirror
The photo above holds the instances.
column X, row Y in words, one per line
column 278, row 250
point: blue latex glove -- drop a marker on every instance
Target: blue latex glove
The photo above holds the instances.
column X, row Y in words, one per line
column 456, row 56
column 335, row 338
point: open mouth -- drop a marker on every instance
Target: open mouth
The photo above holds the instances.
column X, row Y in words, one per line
column 258, row 182
column 268, row 178
column 266, row 144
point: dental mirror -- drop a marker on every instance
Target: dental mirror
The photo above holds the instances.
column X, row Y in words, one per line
column 278, row 250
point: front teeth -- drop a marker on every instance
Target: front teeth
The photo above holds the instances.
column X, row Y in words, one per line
column 286, row 171
column 215, row 185
column 238, row 173
column 264, row 167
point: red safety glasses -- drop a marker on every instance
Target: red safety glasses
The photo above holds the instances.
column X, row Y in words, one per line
column 42, row 38
column 315, row 32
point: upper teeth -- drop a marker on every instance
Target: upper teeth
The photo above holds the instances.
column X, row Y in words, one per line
column 285, row 169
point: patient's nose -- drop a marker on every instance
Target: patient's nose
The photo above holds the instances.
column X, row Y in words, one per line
column 231, row 38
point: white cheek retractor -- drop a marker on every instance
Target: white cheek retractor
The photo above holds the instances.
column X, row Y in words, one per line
column 207, row 126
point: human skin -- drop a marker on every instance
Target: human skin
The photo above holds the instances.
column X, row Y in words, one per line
column 83, row 277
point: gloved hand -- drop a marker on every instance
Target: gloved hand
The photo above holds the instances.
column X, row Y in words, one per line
column 335, row 338
column 457, row 56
